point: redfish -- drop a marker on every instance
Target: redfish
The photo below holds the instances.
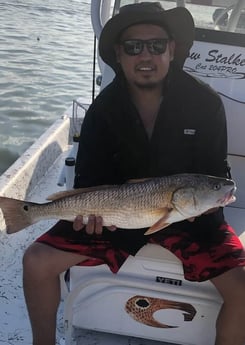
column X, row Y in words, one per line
column 153, row 203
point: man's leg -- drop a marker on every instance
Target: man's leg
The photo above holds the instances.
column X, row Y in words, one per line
column 42, row 266
column 231, row 320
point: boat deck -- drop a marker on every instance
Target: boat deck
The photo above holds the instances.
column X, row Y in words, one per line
column 15, row 327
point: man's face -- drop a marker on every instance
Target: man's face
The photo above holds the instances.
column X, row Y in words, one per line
column 145, row 70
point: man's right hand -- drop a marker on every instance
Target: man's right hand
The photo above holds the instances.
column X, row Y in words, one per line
column 94, row 225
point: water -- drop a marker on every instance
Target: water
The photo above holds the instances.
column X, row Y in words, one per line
column 45, row 63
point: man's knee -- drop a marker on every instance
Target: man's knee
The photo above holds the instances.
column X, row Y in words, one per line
column 35, row 258
column 47, row 260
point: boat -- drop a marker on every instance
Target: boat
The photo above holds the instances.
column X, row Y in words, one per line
column 94, row 307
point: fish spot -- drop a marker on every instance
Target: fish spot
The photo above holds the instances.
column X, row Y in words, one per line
column 26, row 208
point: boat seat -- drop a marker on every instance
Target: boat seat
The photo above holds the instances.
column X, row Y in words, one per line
column 153, row 277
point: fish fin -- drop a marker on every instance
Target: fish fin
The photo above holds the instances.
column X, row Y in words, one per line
column 15, row 213
column 63, row 194
column 137, row 180
column 156, row 227
column 72, row 192
column 160, row 224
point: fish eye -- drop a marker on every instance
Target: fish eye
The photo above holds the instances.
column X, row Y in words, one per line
column 142, row 303
column 216, row 186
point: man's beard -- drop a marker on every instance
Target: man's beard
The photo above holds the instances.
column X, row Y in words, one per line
column 147, row 85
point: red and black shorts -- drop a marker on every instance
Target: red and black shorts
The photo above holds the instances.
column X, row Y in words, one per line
column 204, row 254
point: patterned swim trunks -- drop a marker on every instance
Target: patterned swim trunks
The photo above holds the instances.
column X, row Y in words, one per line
column 204, row 254
column 201, row 260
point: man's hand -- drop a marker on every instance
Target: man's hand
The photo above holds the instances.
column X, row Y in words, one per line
column 94, row 225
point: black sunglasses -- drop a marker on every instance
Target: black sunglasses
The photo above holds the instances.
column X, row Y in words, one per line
column 155, row 46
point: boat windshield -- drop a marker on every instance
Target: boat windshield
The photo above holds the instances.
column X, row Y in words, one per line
column 219, row 15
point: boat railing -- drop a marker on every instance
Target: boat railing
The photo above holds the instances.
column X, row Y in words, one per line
column 67, row 173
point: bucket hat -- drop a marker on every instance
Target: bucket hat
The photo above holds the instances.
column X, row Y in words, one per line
column 178, row 22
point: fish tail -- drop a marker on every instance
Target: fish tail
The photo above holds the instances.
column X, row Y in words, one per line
column 15, row 213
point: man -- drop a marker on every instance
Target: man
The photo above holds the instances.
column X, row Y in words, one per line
column 152, row 120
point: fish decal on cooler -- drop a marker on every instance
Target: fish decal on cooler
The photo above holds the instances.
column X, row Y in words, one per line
column 142, row 309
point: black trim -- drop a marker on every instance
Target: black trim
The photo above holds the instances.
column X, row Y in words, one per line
column 222, row 37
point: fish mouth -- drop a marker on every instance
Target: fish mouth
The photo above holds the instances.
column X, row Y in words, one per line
column 228, row 198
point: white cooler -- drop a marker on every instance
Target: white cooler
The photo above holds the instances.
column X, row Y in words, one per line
column 148, row 298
